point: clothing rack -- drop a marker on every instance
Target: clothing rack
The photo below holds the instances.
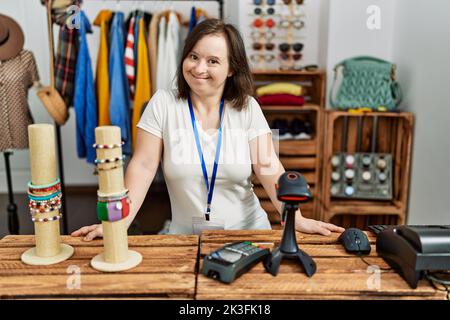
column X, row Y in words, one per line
column 220, row 2
column 65, row 221
column 13, row 220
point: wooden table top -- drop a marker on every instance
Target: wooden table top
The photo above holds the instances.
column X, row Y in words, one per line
column 169, row 270
column 339, row 275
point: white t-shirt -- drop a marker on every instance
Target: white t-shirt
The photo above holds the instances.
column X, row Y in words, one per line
column 234, row 200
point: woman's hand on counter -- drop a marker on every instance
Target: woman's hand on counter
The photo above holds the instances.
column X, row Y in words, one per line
column 89, row 232
column 306, row 225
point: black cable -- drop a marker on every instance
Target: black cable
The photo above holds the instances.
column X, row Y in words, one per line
column 370, row 264
column 434, row 279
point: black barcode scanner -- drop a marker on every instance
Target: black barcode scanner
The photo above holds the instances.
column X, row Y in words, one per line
column 292, row 189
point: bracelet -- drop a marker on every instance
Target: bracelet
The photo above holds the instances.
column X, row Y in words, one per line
column 56, row 187
column 116, row 159
column 32, row 186
column 112, row 195
column 36, row 206
column 113, row 198
column 44, row 210
column 44, row 198
column 113, row 211
column 97, row 169
column 108, row 146
column 57, row 217
column 51, row 201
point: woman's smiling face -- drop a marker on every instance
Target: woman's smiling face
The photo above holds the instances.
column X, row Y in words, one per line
column 206, row 67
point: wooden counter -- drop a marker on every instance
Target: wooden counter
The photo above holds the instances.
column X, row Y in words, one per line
column 169, row 270
column 339, row 275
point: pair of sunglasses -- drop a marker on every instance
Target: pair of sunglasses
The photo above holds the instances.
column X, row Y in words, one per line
column 267, row 46
column 298, row 24
column 259, row 57
column 308, row 67
column 285, row 47
column 257, row 35
column 290, row 56
column 259, row 11
column 259, row 2
column 288, row 2
column 258, row 23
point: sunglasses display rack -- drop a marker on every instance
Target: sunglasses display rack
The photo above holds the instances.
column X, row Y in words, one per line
column 366, row 168
column 276, row 34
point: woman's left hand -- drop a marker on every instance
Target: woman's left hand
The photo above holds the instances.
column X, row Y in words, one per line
column 306, row 225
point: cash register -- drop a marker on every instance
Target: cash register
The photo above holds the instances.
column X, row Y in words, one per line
column 414, row 250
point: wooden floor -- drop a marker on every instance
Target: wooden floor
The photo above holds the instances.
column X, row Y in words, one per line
column 172, row 268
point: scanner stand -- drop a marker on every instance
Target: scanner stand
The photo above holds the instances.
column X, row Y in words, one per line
column 289, row 248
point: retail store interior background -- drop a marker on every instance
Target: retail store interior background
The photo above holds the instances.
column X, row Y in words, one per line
column 414, row 35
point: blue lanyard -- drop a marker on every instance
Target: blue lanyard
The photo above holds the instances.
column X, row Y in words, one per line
column 209, row 187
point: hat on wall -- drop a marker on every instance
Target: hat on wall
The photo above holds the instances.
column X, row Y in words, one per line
column 11, row 38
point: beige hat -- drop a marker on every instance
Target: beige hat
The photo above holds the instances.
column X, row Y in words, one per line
column 11, row 38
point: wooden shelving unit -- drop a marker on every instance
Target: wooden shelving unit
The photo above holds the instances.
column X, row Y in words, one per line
column 394, row 136
column 303, row 156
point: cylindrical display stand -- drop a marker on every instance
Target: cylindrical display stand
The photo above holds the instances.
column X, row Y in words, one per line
column 116, row 256
column 49, row 249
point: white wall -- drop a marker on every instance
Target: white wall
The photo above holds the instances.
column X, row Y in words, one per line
column 348, row 34
column 422, row 52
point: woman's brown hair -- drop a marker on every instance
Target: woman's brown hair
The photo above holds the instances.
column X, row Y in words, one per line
column 238, row 86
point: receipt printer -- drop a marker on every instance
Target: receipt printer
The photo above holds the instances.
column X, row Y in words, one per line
column 414, row 249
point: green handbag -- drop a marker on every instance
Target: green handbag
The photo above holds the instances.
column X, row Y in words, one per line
column 367, row 82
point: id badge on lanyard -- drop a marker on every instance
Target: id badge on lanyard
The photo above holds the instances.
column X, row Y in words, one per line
column 200, row 223
column 206, row 222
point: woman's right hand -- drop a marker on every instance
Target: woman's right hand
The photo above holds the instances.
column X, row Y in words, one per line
column 89, row 232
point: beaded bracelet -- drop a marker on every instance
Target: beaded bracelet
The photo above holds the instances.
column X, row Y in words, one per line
column 113, row 211
column 31, row 185
column 44, row 205
column 108, row 146
column 51, row 201
column 44, row 210
column 116, row 159
column 33, row 204
column 57, row 217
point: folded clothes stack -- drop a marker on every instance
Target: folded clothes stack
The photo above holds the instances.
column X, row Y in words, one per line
column 280, row 94
column 297, row 129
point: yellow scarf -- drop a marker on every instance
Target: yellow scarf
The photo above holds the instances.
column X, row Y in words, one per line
column 102, row 76
column 143, row 82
